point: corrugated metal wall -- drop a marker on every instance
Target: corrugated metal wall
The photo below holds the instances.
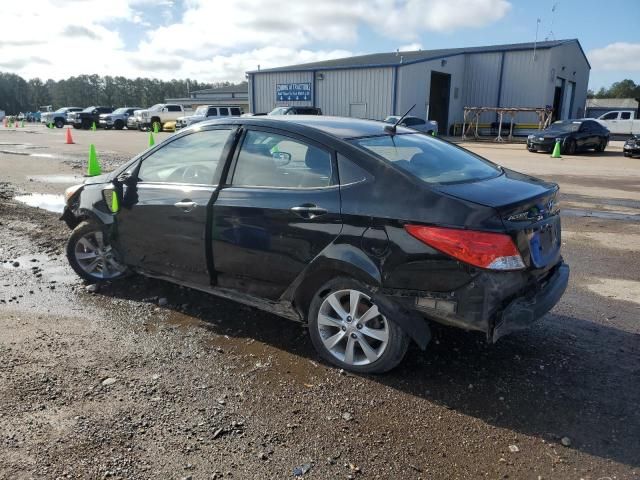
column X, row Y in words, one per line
column 364, row 92
column 481, row 82
column 265, row 88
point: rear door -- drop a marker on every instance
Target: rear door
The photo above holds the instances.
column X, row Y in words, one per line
column 162, row 221
column 279, row 209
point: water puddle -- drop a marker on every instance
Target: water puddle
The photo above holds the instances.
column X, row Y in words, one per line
column 578, row 212
column 45, row 201
column 62, row 179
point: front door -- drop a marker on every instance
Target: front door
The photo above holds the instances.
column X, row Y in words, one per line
column 280, row 209
column 162, row 230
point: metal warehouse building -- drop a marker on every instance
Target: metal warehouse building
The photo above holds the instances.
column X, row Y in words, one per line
column 440, row 82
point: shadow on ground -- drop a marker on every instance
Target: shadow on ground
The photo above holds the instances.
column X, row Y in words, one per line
column 564, row 377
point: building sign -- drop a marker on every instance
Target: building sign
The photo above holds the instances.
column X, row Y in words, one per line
column 287, row 92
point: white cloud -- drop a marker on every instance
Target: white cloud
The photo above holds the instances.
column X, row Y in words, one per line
column 619, row 56
column 215, row 40
column 412, row 47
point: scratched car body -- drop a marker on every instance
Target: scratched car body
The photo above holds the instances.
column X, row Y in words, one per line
column 366, row 232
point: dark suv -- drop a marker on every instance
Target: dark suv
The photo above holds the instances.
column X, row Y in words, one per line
column 365, row 232
column 87, row 117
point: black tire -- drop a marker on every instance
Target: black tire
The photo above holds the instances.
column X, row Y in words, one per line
column 397, row 344
column 570, row 149
column 59, row 123
column 118, row 125
column 601, row 146
column 82, row 230
column 75, row 125
column 626, row 154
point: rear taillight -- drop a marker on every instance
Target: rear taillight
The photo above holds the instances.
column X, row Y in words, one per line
column 494, row 251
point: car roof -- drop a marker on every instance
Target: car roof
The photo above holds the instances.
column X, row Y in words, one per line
column 339, row 127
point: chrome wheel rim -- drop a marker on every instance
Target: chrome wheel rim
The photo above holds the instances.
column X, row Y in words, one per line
column 351, row 328
column 97, row 258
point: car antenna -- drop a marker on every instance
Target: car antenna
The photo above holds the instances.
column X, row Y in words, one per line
column 392, row 128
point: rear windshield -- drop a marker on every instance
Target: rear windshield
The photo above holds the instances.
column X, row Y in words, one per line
column 429, row 159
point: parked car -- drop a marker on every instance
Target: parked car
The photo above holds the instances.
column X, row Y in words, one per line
column 116, row 119
column 132, row 121
column 295, row 111
column 632, row 146
column 574, row 135
column 365, row 232
column 416, row 123
column 205, row 112
column 169, row 126
column 157, row 115
column 87, row 117
column 621, row 122
column 59, row 118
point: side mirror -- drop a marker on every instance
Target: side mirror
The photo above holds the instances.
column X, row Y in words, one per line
column 126, row 178
column 165, row 109
column 281, row 158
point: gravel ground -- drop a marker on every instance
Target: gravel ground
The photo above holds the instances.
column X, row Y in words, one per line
column 143, row 379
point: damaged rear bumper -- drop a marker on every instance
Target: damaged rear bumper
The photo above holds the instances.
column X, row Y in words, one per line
column 496, row 303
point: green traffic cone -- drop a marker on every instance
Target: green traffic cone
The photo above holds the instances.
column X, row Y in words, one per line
column 50, row 125
column 556, row 150
column 93, row 126
column 433, row 133
column 155, row 127
column 22, row 124
column 115, row 203
column 93, row 168
column 152, row 142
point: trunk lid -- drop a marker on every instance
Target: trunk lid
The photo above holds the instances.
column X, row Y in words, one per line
column 528, row 208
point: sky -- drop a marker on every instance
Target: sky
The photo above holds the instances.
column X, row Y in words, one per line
column 219, row 40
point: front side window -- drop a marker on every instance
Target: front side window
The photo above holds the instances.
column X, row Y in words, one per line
column 235, row 111
column 431, row 160
column 174, row 108
column 271, row 160
column 213, row 112
column 625, row 116
column 189, row 159
column 610, row 116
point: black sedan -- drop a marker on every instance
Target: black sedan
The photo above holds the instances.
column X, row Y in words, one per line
column 365, row 232
column 632, row 146
column 574, row 136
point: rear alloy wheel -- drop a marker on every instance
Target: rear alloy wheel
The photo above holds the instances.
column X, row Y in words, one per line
column 348, row 330
column 91, row 256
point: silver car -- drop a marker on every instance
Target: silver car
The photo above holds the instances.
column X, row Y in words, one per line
column 428, row 126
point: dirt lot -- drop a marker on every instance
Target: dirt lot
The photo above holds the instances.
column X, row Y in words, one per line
column 110, row 384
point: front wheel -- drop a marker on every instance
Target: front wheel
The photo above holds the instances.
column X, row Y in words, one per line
column 348, row 330
column 91, row 255
column 59, row 123
column 571, row 147
column 601, row 146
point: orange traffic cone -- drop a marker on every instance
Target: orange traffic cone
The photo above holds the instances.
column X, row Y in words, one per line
column 69, row 137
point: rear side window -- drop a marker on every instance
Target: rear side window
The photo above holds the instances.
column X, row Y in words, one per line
column 625, row 115
column 410, row 122
column 224, row 111
column 429, row 159
column 271, row 160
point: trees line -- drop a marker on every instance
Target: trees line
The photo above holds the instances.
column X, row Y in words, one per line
column 20, row 95
column 624, row 89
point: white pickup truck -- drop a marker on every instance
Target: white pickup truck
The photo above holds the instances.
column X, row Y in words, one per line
column 158, row 114
column 621, row 122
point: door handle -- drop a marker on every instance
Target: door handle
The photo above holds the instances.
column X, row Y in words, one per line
column 308, row 211
column 186, row 205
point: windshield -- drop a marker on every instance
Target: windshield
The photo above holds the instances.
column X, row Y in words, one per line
column 157, row 106
column 201, row 111
column 278, row 111
column 60, row 110
column 429, row 159
column 120, row 110
column 89, row 109
column 565, row 126
column 391, row 119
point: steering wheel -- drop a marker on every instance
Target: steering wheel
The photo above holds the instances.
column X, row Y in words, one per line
column 196, row 174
